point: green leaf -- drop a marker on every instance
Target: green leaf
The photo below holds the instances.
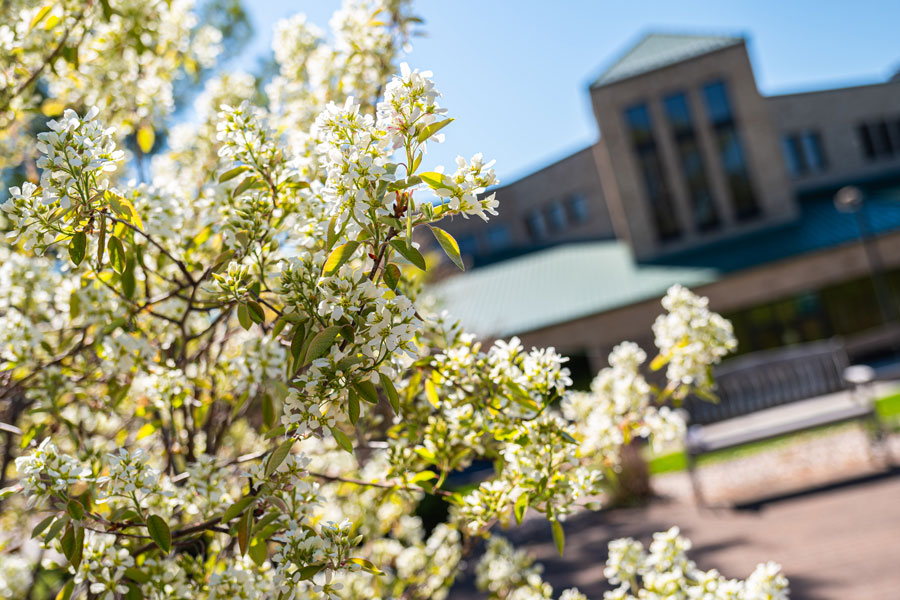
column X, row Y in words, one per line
column 559, row 537
column 243, row 314
column 146, row 137
column 237, row 508
column 520, row 507
column 449, row 245
column 659, row 361
column 268, row 410
column 256, row 312
column 133, row 593
column 309, row 571
column 259, row 551
column 135, row 574
column 297, row 341
column 409, row 253
column 39, row 16
column 321, row 343
column 392, row 275
column 436, row 180
column 366, row 565
column 243, row 531
column 391, row 392
column 353, row 407
column 101, row 244
column 116, row 254
column 128, row 282
column 332, row 234
column 77, row 247
column 159, row 532
column 232, row 173
column 55, row 529
column 278, row 455
column 338, row 257
column 432, row 129
column 341, row 438
column 67, row 542
column 75, row 509
column 40, row 527
column 431, row 393
column 78, row 551
column 243, row 186
column 66, row 592
column 367, row 390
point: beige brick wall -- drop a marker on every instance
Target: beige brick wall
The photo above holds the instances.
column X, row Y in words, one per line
column 835, row 114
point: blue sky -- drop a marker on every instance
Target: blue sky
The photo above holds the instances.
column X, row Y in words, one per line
column 515, row 73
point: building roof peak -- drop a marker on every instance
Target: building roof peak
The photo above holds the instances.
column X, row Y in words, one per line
column 657, row 50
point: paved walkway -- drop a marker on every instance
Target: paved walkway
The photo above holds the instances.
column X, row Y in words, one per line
column 838, row 544
column 838, row 538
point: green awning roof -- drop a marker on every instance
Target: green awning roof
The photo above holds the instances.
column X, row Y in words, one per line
column 658, row 50
column 555, row 286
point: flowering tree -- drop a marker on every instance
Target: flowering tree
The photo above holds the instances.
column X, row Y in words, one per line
column 221, row 385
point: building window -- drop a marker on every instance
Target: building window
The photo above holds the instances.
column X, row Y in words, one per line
column 537, row 226
column 803, row 152
column 577, row 207
column 468, row 244
column 877, row 141
column 498, row 237
column 719, row 111
column 556, row 216
column 703, row 206
column 637, row 118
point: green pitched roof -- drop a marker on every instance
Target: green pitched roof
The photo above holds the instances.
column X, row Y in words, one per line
column 555, row 286
column 658, row 50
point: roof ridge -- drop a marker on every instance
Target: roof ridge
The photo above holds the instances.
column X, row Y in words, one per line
column 658, row 49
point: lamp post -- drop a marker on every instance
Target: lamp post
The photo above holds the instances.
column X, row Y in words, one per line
column 849, row 199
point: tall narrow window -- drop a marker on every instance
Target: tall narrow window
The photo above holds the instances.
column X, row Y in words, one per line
column 703, row 206
column 803, row 152
column 718, row 108
column 537, row 226
column 812, row 150
column 556, row 216
column 577, row 207
column 640, row 130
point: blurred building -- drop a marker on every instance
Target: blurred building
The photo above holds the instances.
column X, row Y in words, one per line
column 696, row 178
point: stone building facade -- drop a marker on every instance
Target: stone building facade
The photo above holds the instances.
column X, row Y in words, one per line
column 695, row 169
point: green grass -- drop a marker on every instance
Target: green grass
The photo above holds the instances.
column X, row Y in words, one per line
column 888, row 409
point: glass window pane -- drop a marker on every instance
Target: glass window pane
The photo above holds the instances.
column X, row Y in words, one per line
column 537, row 226
column 468, row 244
column 637, row 118
column 792, row 155
column 556, row 216
column 678, row 113
column 812, row 150
column 717, row 104
column 866, row 140
column 498, row 237
column 577, row 206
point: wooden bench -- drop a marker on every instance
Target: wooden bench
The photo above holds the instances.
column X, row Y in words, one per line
column 769, row 394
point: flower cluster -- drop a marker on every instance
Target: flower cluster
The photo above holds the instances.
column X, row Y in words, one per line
column 410, row 107
column 462, row 189
column 619, row 407
column 46, row 471
column 691, row 338
column 666, row 570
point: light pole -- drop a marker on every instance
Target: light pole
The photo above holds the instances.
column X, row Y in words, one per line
column 849, row 199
